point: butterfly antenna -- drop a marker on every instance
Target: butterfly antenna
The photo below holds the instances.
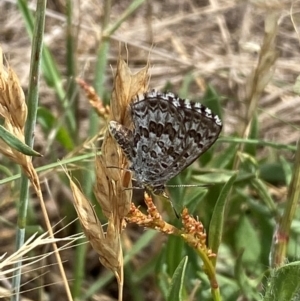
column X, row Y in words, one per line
column 191, row 185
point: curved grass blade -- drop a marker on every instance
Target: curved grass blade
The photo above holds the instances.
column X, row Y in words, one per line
column 217, row 220
column 176, row 287
column 32, row 101
column 17, row 144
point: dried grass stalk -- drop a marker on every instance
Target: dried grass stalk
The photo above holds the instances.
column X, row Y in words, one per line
column 113, row 179
column 261, row 75
column 13, row 110
column 112, row 165
column 106, row 245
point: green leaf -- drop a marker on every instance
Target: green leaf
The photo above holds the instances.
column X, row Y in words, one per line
column 248, row 163
column 217, row 219
column 273, row 173
column 176, row 287
column 163, row 278
column 48, row 122
column 174, row 251
column 287, row 170
column 195, row 199
column 247, row 286
column 264, row 194
column 185, row 87
column 247, row 239
column 212, row 100
column 17, row 144
column 284, row 284
column 254, row 130
column 227, row 158
column 211, row 178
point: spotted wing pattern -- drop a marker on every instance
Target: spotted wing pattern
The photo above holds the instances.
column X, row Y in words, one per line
column 169, row 134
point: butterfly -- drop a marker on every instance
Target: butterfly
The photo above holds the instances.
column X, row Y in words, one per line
column 168, row 134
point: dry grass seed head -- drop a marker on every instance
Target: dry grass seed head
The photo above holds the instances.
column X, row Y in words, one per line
column 12, row 99
column 113, row 164
column 94, row 99
column 112, row 178
column 106, row 245
column 13, row 110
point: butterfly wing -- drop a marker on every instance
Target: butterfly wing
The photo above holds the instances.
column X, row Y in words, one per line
column 169, row 134
column 201, row 130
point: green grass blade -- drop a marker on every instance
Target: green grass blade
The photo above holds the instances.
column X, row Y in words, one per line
column 134, row 5
column 33, row 90
column 283, row 229
column 72, row 92
column 17, row 144
column 53, row 165
column 264, row 194
column 176, row 287
column 49, row 67
column 258, row 142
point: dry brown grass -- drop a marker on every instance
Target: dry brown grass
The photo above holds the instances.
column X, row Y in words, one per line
column 219, row 42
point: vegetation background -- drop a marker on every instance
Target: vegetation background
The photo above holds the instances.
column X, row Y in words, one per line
column 241, row 58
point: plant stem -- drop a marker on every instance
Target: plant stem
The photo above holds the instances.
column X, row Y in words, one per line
column 282, row 231
column 32, row 103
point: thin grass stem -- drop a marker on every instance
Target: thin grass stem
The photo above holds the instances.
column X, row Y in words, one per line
column 32, row 101
column 282, row 231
